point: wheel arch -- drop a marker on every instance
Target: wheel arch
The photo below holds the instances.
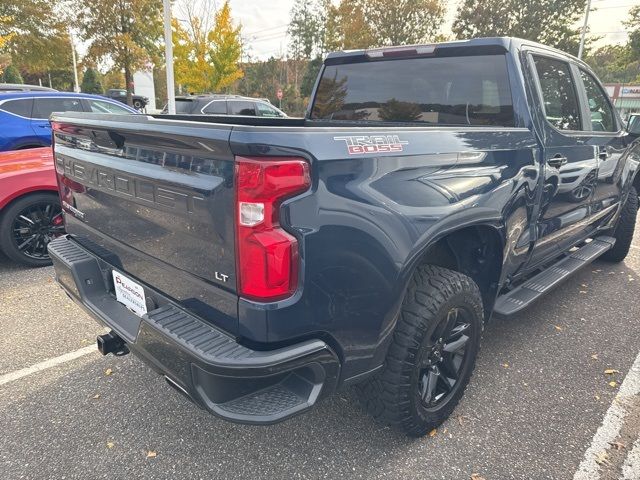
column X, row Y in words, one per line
column 7, row 201
column 472, row 247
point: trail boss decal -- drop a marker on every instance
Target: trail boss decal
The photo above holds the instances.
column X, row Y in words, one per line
column 373, row 144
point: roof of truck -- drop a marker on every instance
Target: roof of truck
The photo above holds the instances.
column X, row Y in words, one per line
column 490, row 44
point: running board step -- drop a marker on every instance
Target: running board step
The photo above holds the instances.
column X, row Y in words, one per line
column 524, row 295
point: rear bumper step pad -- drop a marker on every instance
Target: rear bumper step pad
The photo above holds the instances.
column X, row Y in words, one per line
column 524, row 295
column 203, row 362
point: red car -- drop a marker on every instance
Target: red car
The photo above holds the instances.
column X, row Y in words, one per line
column 30, row 214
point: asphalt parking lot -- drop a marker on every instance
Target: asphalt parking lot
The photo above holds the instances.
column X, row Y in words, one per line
column 540, row 405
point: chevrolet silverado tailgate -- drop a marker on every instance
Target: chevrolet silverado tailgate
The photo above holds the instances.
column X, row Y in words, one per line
column 155, row 199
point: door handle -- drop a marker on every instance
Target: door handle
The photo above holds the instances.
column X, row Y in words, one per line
column 557, row 161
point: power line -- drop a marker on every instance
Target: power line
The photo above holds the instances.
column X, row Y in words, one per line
column 270, row 28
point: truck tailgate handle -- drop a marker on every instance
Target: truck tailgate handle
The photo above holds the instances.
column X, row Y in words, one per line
column 557, row 161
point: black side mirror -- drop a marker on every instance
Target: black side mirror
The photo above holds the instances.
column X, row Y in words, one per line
column 633, row 127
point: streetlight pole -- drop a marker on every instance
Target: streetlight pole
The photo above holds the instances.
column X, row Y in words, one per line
column 76, row 87
column 168, row 53
column 584, row 29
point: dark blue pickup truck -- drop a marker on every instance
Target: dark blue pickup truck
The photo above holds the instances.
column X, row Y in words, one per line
column 259, row 264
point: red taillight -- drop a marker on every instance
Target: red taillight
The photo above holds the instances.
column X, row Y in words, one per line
column 266, row 255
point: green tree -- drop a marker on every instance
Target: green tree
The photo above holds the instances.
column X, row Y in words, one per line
column 225, row 49
column 305, row 28
column 127, row 32
column 634, row 33
column 398, row 111
column 310, row 76
column 614, row 64
column 546, row 21
column 404, row 22
column 12, row 75
column 91, row 82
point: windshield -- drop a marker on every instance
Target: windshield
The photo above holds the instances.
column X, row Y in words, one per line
column 472, row 90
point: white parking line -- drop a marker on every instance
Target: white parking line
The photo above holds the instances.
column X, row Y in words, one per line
column 611, row 425
column 631, row 467
column 52, row 362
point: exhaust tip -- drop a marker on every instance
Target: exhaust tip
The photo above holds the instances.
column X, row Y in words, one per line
column 111, row 343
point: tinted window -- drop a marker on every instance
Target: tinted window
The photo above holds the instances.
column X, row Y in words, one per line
column 602, row 119
column 265, row 110
column 470, row 90
column 634, row 124
column 218, row 107
column 44, row 107
column 183, row 105
column 241, row 108
column 558, row 93
column 100, row 106
column 20, row 107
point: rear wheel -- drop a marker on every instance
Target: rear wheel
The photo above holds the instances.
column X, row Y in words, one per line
column 623, row 232
column 138, row 105
column 432, row 354
column 28, row 225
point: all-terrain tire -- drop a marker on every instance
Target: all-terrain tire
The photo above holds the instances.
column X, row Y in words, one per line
column 394, row 395
column 623, row 232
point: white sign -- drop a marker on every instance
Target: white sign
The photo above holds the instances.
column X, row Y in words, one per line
column 632, row 91
column 129, row 293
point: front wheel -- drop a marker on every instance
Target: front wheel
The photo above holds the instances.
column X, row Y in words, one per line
column 432, row 354
column 28, row 225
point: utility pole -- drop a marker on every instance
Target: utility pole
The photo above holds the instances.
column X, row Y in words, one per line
column 76, row 88
column 584, row 29
column 168, row 53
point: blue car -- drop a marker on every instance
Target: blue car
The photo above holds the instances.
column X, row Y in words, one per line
column 24, row 116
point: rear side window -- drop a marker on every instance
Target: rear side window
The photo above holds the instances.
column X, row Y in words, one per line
column 100, row 106
column 471, row 90
column 265, row 110
column 218, row 107
column 44, row 107
column 20, row 107
column 242, row 108
column 602, row 119
column 184, row 106
column 558, row 93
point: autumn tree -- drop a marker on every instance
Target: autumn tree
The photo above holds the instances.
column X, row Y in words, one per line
column 225, row 49
column 546, row 21
column 123, row 31
column 347, row 27
column 207, row 49
column 34, row 36
column 193, row 72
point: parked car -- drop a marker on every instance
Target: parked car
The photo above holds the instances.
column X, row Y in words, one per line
column 633, row 125
column 217, row 104
column 120, row 94
column 20, row 87
column 260, row 264
column 30, row 214
column 24, row 116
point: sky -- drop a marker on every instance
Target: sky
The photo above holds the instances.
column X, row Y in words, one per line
column 264, row 22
